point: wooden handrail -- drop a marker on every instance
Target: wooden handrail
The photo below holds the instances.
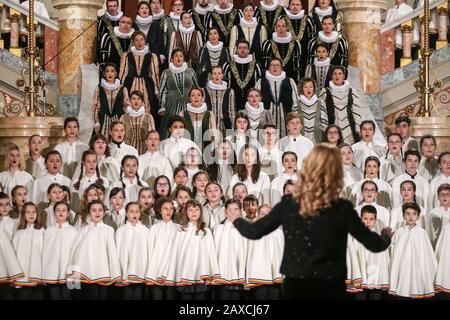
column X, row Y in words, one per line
column 42, row 20
column 413, row 14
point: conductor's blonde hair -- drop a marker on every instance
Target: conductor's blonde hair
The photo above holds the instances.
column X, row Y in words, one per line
column 320, row 180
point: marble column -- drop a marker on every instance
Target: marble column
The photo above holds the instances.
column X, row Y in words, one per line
column 362, row 22
column 75, row 17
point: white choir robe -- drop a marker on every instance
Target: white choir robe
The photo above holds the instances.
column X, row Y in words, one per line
column 109, row 168
column 218, row 214
column 238, row 141
column 162, row 241
column 363, row 150
column 436, row 220
column 231, row 250
column 175, row 149
column 38, row 192
column 422, row 189
column 384, row 192
column 264, row 260
column 71, row 155
column 409, row 144
column 208, row 218
column 55, row 254
column 413, row 263
column 131, row 190
column 28, row 244
column 433, row 200
column 354, row 274
column 10, row 269
column 153, row 165
column 276, row 187
column 442, row 282
column 133, row 246
column 9, row 180
column 9, row 226
column 374, row 267
column 36, row 168
column 51, row 219
column 194, row 258
column 85, row 182
column 383, row 214
column 425, row 172
column 397, row 220
column 271, row 162
column 117, row 218
column 93, row 256
column 260, row 189
column 119, row 153
column 391, row 168
column 300, row 145
column 191, row 173
column 225, row 175
column 352, row 174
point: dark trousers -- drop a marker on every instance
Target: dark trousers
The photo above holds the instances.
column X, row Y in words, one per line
column 94, row 292
column 134, row 292
column 313, row 289
column 115, row 293
column 59, row 292
column 266, row 292
column 197, row 296
column 7, row 292
column 371, row 295
column 30, row 293
column 162, row 293
column 223, row 293
column 443, row 296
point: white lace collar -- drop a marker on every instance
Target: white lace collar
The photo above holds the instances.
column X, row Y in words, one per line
column 122, row 35
column 294, row 16
column 286, row 39
column 173, row 16
column 215, row 86
column 114, row 18
column 186, row 31
column 143, row 21
column 141, row 52
column 340, row 88
column 213, row 47
column 308, row 102
column 245, row 24
column 198, row 110
column 324, row 13
column 110, row 86
column 158, row 16
column 219, row 10
column 271, row 77
column 176, row 69
column 255, row 112
column 203, row 11
column 323, row 63
column 269, row 7
column 328, row 39
column 135, row 114
column 240, row 60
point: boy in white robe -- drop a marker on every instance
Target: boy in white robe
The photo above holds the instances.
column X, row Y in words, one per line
column 413, row 262
column 374, row 266
column 231, row 250
column 366, row 147
column 153, row 164
column 439, row 217
column 403, row 127
column 71, row 149
column 439, row 179
column 117, row 146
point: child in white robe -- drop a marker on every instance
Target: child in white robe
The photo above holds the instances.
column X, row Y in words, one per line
column 440, row 178
column 193, row 162
column 47, row 217
column 366, row 147
column 199, row 182
column 231, row 250
column 28, row 244
column 162, row 187
column 392, row 163
column 289, row 161
column 19, row 196
column 408, row 194
column 250, row 204
column 117, row 145
column 146, row 200
column 442, row 282
column 352, row 174
column 53, row 163
column 14, row 176
column 94, row 260
column 71, row 149
column 413, row 262
column 264, row 258
column 369, row 190
column 193, row 273
column 162, row 240
column 439, row 217
column 7, row 224
column 35, row 164
column 374, row 266
column 181, row 195
column 214, row 206
column 115, row 216
column 82, row 218
column 133, row 246
column 129, row 179
column 153, row 163
column 239, row 191
column 58, row 239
